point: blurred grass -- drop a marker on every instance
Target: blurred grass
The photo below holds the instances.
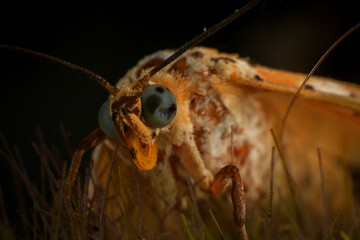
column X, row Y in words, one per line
column 202, row 219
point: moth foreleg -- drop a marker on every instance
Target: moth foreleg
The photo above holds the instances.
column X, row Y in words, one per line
column 230, row 172
column 93, row 139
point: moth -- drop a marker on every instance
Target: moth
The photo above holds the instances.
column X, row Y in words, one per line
column 219, row 95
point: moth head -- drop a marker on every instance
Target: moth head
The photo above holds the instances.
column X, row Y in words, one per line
column 135, row 116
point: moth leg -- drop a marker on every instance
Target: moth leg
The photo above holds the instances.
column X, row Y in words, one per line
column 193, row 163
column 230, row 172
column 93, row 139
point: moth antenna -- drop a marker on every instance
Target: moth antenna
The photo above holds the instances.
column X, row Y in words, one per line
column 302, row 86
column 196, row 40
column 89, row 74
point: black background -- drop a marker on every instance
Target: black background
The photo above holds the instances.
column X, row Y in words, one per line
column 109, row 39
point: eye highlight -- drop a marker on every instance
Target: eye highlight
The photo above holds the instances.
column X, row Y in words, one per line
column 159, row 105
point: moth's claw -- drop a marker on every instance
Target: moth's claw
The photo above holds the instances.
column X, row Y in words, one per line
column 230, row 172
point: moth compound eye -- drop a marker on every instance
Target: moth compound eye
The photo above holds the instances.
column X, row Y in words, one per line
column 105, row 121
column 158, row 105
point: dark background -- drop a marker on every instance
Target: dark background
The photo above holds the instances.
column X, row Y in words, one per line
column 109, row 39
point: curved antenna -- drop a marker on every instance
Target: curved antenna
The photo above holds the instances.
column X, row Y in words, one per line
column 302, row 86
column 145, row 80
column 110, row 88
column 199, row 38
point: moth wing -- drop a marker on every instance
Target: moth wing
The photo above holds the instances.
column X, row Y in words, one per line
column 325, row 116
column 326, row 90
column 326, row 107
